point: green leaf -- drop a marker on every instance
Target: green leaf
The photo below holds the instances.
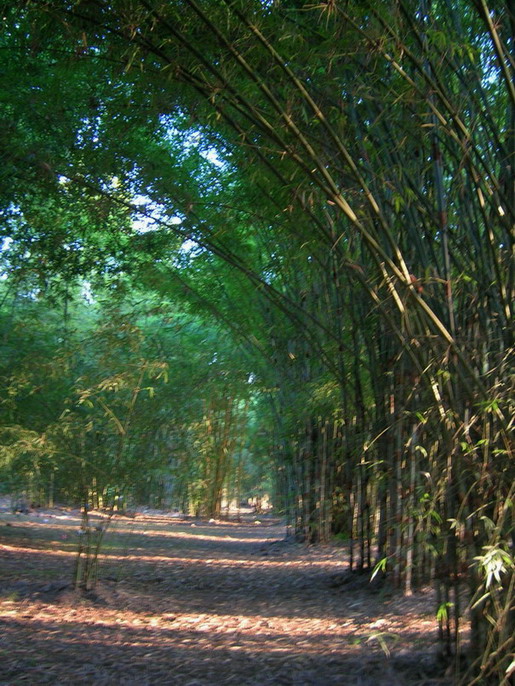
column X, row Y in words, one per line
column 379, row 567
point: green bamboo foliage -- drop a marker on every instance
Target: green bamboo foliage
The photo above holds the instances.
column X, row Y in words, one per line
column 379, row 141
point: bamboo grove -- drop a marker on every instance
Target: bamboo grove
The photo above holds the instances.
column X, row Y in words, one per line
column 333, row 184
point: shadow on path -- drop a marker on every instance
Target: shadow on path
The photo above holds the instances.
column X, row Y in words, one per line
column 209, row 605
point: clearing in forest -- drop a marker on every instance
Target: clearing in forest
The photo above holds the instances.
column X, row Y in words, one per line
column 194, row 603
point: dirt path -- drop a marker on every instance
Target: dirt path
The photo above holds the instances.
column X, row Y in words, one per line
column 199, row 604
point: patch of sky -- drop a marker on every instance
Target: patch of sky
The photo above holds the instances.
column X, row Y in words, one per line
column 190, row 247
column 192, row 140
column 4, row 247
column 87, row 293
column 89, row 131
column 149, row 216
column 489, row 67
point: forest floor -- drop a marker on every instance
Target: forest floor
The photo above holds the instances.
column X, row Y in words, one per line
column 195, row 603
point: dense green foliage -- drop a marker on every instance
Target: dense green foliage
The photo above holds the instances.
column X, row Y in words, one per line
column 303, row 216
column 119, row 399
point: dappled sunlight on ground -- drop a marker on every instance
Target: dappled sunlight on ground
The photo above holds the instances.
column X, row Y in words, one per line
column 202, row 605
column 226, row 538
column 249, row 629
